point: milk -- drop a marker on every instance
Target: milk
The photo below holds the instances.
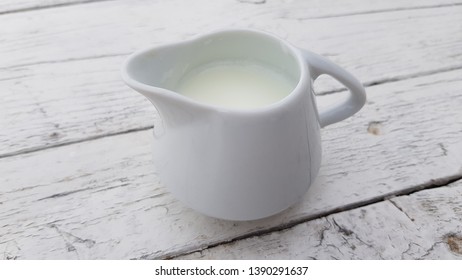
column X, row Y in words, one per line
column 241, row 84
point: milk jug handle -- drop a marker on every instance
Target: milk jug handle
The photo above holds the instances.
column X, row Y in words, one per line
column 357, row 97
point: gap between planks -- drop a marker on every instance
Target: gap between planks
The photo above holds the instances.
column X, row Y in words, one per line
column 64, row 60
column 51, row 6
column 433, row 184
column 322, row 93
column 96, row 137
column 390, row 10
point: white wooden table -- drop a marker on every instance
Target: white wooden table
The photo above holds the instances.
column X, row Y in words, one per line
column 76, row 178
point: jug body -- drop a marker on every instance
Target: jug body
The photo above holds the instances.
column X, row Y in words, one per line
column 240, row 166
column 231, row 163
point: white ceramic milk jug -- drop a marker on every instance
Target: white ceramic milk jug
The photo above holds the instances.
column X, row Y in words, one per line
column 238, row 163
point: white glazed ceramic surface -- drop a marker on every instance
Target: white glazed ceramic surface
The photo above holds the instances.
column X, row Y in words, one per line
column 230, row 163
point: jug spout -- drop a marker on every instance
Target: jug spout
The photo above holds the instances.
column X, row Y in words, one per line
column 155, row 73
column 174, row 109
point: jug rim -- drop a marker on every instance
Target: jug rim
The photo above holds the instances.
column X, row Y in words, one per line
column 304, row 80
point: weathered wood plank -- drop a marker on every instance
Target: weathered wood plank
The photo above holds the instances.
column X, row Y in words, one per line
column 82, row 31
column 317, row 9
column 54, row 103
column 424, row 225
column 60, row 103
column 102, row 198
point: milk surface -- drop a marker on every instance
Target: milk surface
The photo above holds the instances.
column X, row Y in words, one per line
column 241, row 84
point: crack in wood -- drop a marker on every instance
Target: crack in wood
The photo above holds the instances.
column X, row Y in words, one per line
column 69, row 240
column 335, row 247
column 428, row 251
column 62, row 194
column 341, row 229
column 349, row 233
column 111, row 188
column 56, row 195
column 409, row 247
column 401, row 209
column 323, row 232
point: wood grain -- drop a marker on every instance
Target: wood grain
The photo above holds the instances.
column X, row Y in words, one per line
column 424, row 225
column 102, row 198
column 68, row 88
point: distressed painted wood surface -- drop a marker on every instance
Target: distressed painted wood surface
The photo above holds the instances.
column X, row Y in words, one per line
column 423, row 225
column 60, row 77
column 102, row 198
column 76, row 179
